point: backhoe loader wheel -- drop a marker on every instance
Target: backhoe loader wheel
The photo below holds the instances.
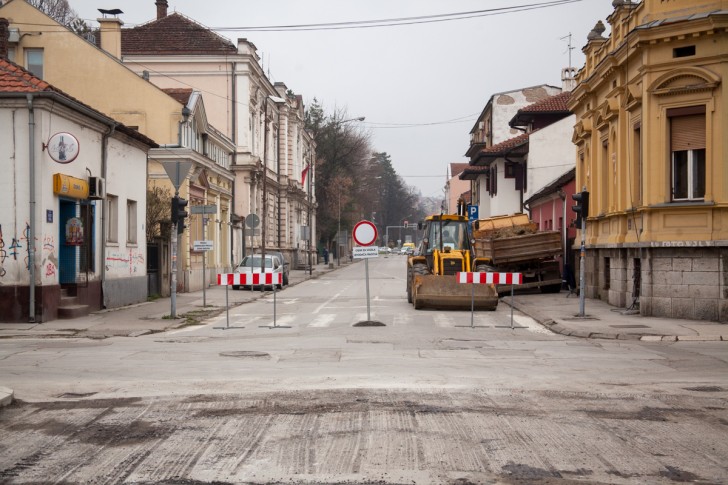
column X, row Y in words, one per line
column 417, row 269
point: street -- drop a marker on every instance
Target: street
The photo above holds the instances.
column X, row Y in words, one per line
column 425, row 398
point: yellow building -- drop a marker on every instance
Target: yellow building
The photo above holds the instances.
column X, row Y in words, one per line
column 176, row 119
column 650, row 140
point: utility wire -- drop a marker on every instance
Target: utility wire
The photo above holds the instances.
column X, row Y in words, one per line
column 393, row 22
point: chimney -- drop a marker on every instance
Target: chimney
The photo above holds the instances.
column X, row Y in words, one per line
column 161, row 8
column 111, row 35
column 4, row 33
column 568, row 79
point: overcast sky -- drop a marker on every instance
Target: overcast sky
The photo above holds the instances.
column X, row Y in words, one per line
column 437, row 76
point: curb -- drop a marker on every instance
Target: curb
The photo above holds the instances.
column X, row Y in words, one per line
column 558, row 328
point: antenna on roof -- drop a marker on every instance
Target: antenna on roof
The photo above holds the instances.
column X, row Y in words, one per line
column 569, row 48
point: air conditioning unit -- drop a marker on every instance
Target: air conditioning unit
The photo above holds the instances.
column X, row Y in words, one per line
column 13, row 35
column 96, row 188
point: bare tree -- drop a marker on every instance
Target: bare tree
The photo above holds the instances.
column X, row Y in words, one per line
column 58, row 10
column 158, row 210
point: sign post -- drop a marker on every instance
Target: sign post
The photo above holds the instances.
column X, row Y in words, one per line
column 203, row 209
column 512, row 279
column 177, row 172
column 365, row 234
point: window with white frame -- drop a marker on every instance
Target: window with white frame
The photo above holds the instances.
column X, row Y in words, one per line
column 131, row 221
column 34, row 61
column 112, row 218
column 687, row 152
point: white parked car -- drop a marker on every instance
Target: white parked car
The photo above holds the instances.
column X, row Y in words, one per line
column 252, row 265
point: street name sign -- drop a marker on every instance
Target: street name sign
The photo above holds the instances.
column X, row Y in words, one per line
column 203, row 209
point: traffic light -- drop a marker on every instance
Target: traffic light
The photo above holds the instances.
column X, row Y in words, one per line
column 178, row 211
column 582, row 207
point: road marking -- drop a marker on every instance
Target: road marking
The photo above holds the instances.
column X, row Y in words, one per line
column 531, row 324
column 321, row 306
column 323, row 320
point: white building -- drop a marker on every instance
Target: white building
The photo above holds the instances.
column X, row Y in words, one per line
column 497, row 180
column 72, row 204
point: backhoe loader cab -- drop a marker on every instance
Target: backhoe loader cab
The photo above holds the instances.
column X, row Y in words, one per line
column 445, row 250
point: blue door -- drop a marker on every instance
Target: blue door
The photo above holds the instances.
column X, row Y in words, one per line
column 69, row 247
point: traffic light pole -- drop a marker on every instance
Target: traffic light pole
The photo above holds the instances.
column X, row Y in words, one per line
column 582, row 262
column 173, row 278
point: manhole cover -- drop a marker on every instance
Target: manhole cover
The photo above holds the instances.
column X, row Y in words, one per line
column 246, row 354
column 369, row 323
column 629, row 326
column 705, row 389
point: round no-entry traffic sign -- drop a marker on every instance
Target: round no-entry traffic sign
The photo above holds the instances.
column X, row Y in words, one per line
column 365, row 233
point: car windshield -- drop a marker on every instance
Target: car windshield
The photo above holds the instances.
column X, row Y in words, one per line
column 254, row 262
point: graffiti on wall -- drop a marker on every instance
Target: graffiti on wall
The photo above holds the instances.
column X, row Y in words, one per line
column 131, row 261
column 50, row 262
column 19, row 247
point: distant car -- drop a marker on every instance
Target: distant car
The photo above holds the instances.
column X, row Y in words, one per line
column 251, row 265
column 286, row 265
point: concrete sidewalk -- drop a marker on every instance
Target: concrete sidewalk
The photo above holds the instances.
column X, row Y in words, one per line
column 560, row 313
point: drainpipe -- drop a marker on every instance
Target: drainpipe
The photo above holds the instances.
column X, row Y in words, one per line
column 31, row 219
column 104, row 170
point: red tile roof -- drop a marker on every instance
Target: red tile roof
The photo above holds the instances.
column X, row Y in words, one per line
column 174, row 34
column 507, row 145
column 552, row 104
column 180, row 94
column 15, row 79
column 457, row 168
column 472, row 172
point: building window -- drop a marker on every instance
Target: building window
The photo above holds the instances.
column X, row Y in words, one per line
column 687, row 152
column 34, row 61
column 112, row 218
column 688, row 50
column 11, row 54
column 131, row 221
column 637, row 157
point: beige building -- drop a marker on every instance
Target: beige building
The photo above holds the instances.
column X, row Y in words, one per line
column 265, row 120
column 650, row 139
column 179, row 123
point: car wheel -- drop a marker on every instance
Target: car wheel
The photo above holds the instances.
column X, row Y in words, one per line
column 236, row 287
column 285, row 280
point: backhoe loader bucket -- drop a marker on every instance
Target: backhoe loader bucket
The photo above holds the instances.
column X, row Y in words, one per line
column 445, row 293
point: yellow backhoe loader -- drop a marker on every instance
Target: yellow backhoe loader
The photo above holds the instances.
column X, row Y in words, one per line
column 444, row 251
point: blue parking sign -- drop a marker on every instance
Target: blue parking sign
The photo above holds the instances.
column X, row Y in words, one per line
column 472, row 212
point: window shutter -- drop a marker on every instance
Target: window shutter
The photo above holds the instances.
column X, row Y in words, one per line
column 518, row 173
column 687, row 129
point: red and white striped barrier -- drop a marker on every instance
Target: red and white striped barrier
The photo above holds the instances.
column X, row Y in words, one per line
column 491, row 278
column 244, row 279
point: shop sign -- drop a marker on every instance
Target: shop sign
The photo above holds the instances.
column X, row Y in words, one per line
column 70, row 186
column 63, row 147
